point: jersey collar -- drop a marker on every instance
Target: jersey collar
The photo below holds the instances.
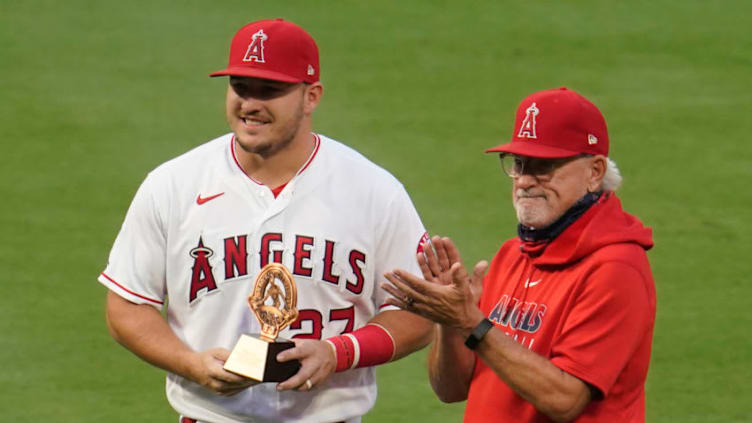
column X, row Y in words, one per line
column 317, row 141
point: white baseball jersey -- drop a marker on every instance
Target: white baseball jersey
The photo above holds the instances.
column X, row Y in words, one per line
column 199, row 230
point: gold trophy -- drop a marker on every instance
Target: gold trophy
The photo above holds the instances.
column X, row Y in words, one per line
column 255, row 357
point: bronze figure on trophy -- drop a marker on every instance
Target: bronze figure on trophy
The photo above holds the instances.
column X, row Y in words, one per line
column 273, row 300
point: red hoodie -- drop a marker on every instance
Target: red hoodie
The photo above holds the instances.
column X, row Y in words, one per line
column 587, row 303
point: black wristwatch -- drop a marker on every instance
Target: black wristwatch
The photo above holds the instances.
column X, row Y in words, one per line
column 479, row 332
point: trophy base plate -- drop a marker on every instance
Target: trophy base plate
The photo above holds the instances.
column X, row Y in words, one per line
column 256, row 359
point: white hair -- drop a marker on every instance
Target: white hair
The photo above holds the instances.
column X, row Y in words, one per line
column 612, row 178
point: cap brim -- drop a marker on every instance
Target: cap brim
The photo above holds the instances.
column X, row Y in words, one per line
column 531, row 149
column 255, row 73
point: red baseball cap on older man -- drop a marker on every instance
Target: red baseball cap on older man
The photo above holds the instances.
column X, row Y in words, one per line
column 554, row 124
column 273, row 49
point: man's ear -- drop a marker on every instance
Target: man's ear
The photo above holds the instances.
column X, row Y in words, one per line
column 597, row 172
column 312, row 97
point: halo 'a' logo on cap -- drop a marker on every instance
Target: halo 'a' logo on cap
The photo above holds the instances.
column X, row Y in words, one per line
column 592, row 139
column 527, row 129
column 255, row 52
column 311, row 70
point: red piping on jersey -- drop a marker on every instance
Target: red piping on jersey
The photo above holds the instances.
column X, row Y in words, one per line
column 131, row 292
column 316, row 138
column 315, row 150
column 234, row 157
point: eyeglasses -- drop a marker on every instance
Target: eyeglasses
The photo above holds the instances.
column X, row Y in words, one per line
column 542, row 169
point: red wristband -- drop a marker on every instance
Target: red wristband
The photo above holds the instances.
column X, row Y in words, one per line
column 344, row 350
column 370, row 345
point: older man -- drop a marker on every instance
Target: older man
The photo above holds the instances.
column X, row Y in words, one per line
column 561, row 326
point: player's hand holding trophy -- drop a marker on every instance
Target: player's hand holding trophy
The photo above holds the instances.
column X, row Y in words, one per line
column 273, row 300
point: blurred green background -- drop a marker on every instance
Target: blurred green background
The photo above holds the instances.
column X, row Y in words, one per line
column 94, row 94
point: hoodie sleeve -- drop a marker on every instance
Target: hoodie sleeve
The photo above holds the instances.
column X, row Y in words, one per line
column 610, row 324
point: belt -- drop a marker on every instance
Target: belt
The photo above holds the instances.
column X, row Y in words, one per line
column 190, row 420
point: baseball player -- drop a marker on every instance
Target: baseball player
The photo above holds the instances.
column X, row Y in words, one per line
column 202, row 225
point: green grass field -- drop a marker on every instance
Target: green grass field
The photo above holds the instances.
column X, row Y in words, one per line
column 93, row 95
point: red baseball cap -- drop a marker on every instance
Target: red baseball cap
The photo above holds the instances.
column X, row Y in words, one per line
column 557, row 123
column 273, row 49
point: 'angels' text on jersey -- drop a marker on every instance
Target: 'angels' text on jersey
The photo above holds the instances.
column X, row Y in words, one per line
column 236, row 253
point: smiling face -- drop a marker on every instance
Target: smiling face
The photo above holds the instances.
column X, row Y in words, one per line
column 266, row 116
column 541, row 199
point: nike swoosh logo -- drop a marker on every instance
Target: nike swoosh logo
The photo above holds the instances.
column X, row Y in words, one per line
column 201, row 201
column 528, row 284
